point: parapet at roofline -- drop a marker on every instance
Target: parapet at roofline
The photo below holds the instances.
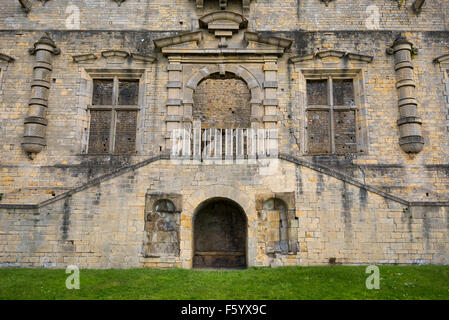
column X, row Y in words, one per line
column 319, row 168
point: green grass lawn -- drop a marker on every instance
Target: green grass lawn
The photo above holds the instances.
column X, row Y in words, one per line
column 291, row 283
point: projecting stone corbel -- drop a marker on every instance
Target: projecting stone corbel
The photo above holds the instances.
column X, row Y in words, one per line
column 326, row 2
column 224, row 24
column 119, row 2
column 411, row 140
column 199, row 4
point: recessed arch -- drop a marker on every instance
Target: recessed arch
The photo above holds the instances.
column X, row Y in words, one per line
column 241, row 72
column 220, row 232
column 222, row 101
column 195, row 199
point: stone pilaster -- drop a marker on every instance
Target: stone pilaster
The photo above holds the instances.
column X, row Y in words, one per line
column 411, row 140
column 36, row 122
column 174, row 105
column 270, row 103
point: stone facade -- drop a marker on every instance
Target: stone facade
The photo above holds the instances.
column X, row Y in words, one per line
column 356, row 91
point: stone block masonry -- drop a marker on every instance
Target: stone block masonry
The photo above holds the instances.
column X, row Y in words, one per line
column 380, row 195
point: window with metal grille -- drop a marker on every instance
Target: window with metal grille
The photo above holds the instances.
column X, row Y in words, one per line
column 113, row 116
column 331, row 116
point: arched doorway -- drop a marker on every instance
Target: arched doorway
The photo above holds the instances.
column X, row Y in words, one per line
column 220, row 233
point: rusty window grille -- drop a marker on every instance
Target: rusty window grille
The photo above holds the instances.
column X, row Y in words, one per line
column 331, row 116
column 113, row 116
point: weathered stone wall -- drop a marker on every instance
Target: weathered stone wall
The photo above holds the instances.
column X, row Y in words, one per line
column 183, row 16
column 104, row 226
column 64, row 165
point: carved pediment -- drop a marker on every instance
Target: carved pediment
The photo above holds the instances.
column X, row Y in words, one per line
column 332, row 56
column 178, row 39
column 271, row 41
column 191, row 43
column 442, row 59
column 113, row 57
column 6, row 58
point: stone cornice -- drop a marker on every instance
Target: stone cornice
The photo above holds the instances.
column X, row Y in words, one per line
column 224, row 51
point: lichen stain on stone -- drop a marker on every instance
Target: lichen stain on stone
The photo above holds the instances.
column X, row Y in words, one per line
column 65, row 219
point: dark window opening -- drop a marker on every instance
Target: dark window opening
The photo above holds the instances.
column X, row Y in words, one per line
column 113, row 116
column 331, row 116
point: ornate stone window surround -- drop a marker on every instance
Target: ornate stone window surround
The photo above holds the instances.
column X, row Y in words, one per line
column 323, row 65
column 118, row 74
column 263, row 90
column 4, row 61
column 443, row 62
column 359, row 103
column 107, row 64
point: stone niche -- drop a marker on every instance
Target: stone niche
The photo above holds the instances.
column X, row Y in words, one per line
column 162, row 221
column 278, row 223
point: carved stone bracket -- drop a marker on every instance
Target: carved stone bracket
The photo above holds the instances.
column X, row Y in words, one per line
column 119, row 2
column 411, row 140
column 224, row 24
column 36, row 122
column 326, row 2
